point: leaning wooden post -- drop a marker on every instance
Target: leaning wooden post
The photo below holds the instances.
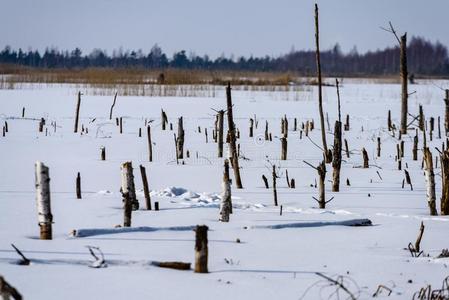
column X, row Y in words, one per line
column 128, row 187
column 201, row 251
column 146, row 191
column 404, row 82
column 150, row 145
column 365, row 159
column 45, row 218
column 444, row 158
column 220, row 129
column 180, row 139
column 336, row 161
column 430, row 181
column 232, row 145
column 112, row 106
column 78, row 186
column 226, row 203
column 320, row 96
column 77, row 115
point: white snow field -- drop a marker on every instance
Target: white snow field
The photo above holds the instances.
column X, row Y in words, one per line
column 278, row 256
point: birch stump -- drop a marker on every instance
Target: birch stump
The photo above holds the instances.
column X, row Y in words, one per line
column 226, row 203
column 430, row 181
column 201, row 251
column 45, row 218
column 128, row 186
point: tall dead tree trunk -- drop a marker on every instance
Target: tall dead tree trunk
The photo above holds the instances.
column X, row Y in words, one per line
column 320, row 96
column 201, row 251
column 128, row 186
column 232, row 138
column 430, row 181
column 404, row 82
column 220, row 129
column 336, row 161
column 180, row 139
column 445, row 182
column 45, row 218
column 150, row 145
column 77, row 114
column 446, row 117
column 146, row 190
column 226, row 203
column 112, row 106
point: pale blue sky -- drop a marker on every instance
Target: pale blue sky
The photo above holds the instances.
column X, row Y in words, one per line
column 258, row 27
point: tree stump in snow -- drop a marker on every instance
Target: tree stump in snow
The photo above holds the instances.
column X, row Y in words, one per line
column 78, row 186
column 220, row 126
column 127, row 210
column 180, row 139
column 128, row 186
column 365, row 159
column 336, row 161
column 150, row 145
column 275, row 193
column 284, row 148
column 164, row 119
column 415, row 147
column 77, row 113
column 103, row 153
column 45, row 218
column 321, row 186
column 201, row 251
column 430, row 182
column 267, row 137
column 251, row 128
column 226, row 202
column 146, row 191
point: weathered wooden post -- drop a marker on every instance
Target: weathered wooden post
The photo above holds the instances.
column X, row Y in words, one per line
column 45, row 218
column 321, row 186
column 78, row 186
column 127, row 210
column 430, row 182
column 232, row 139
column 201, row 251
column 220, row 128
column 421, row 118
column 415, row 147
column 389, row 123
column 346, row 148
column 346, row 127
column 226, row 202
column 180, row 139
column 23, row 112
column 128, row 187
column 112, row 106
column 77, row 114
column 365, row 159
column 336, row 161
column 378, row 147
column 41, row 124
column 146, row 190
column 266, row 131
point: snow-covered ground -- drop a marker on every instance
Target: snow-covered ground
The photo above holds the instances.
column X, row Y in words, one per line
column 270, row 262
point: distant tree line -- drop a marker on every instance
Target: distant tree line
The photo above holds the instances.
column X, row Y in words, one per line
column 424, row 57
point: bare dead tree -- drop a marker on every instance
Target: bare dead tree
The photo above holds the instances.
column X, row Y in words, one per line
column 232, row 139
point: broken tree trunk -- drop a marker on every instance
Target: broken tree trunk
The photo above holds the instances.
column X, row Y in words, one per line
column 446, row 117
column 77, row 114
column 251, row 127
column 164, row 119
column 127, row 210
column 444, row 158
column 265, row 181
column 146, row 190
column 232, row 138
column 321, row 186
column 112, row 106
column 430, row 182
column 180, row 139
column 226, row 203
column 103, row 153
column 365, row 159
column 267, row 137
column 320, row 96
column 201, row 251
column 78, row 186
column 284, row 148
column 421, row 118
column 45, row 218
column 275, row 193
column 7, row 291
column 415, row 148
column 404, row 81
column 128, row 186
column 220, row 132
column 336, row 161
column 150, row 145
column 419, row 238
column 378, row 147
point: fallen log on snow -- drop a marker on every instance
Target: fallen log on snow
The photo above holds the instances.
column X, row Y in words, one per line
column 171, row 265
column 101, row 231
column 353, row 222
